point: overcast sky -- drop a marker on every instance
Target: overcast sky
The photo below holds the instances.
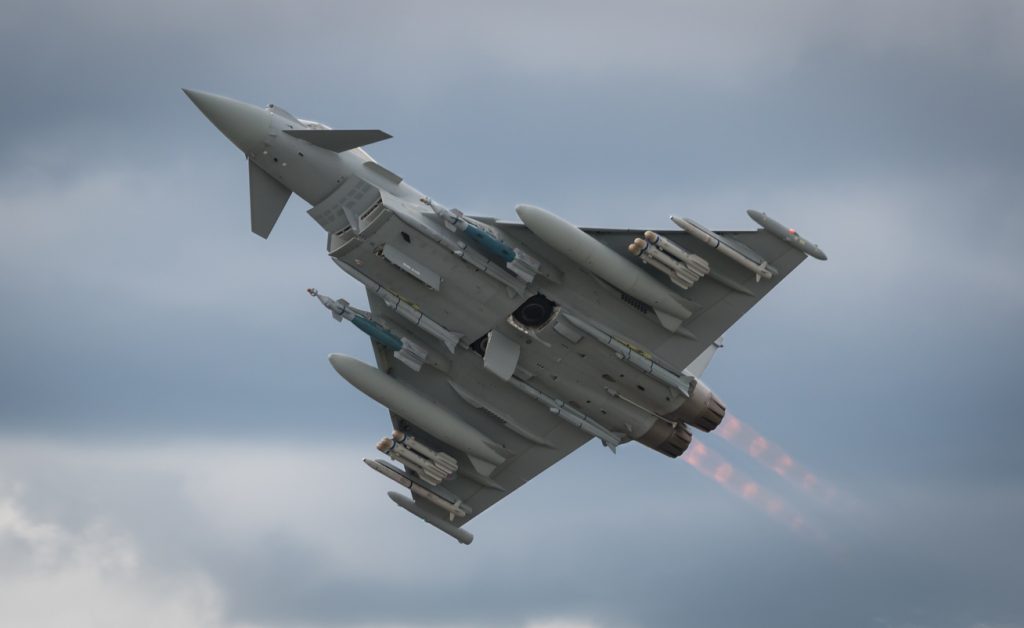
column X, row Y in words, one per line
column 175, row 449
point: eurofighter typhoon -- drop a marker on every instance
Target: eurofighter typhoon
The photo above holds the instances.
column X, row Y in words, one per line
column 503, row 347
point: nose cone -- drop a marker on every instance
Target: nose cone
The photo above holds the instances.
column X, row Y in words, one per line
column 247, row 126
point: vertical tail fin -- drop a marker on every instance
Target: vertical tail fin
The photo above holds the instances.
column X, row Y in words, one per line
column 697, row 367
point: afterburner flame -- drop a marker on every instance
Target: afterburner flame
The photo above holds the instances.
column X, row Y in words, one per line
column 713, row 465
column 772, row 456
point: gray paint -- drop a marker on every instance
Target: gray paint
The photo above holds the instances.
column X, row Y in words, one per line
column 873, row 127
column 579, row 385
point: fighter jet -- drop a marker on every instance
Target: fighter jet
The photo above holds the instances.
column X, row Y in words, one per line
column 502, row 347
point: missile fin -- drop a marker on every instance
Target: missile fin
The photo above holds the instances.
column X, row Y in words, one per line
column 267, row 197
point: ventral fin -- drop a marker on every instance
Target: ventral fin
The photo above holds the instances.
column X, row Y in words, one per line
column 668, row 321
column 673, row 324
column 267, row 197
column 484, row 467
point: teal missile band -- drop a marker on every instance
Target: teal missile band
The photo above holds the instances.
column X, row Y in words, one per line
column 491, row 244
column 378, row 333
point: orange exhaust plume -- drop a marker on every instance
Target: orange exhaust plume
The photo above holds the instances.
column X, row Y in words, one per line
column 712, row 465
column 772, row 456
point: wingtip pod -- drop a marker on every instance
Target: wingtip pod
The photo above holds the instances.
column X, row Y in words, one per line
column 462, row 536
column 786, row 234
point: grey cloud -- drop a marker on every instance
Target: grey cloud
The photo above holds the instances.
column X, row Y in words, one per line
column 675, row 552
column 138, row 311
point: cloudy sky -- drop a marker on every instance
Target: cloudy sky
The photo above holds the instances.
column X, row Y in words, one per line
column 176, row 451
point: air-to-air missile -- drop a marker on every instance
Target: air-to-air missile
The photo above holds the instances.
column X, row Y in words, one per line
column 451, row 504
column 538, row 337
column 405, row 350
column 733, row 250
column 516, row 260
column 404, row 309
column 455, row 220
